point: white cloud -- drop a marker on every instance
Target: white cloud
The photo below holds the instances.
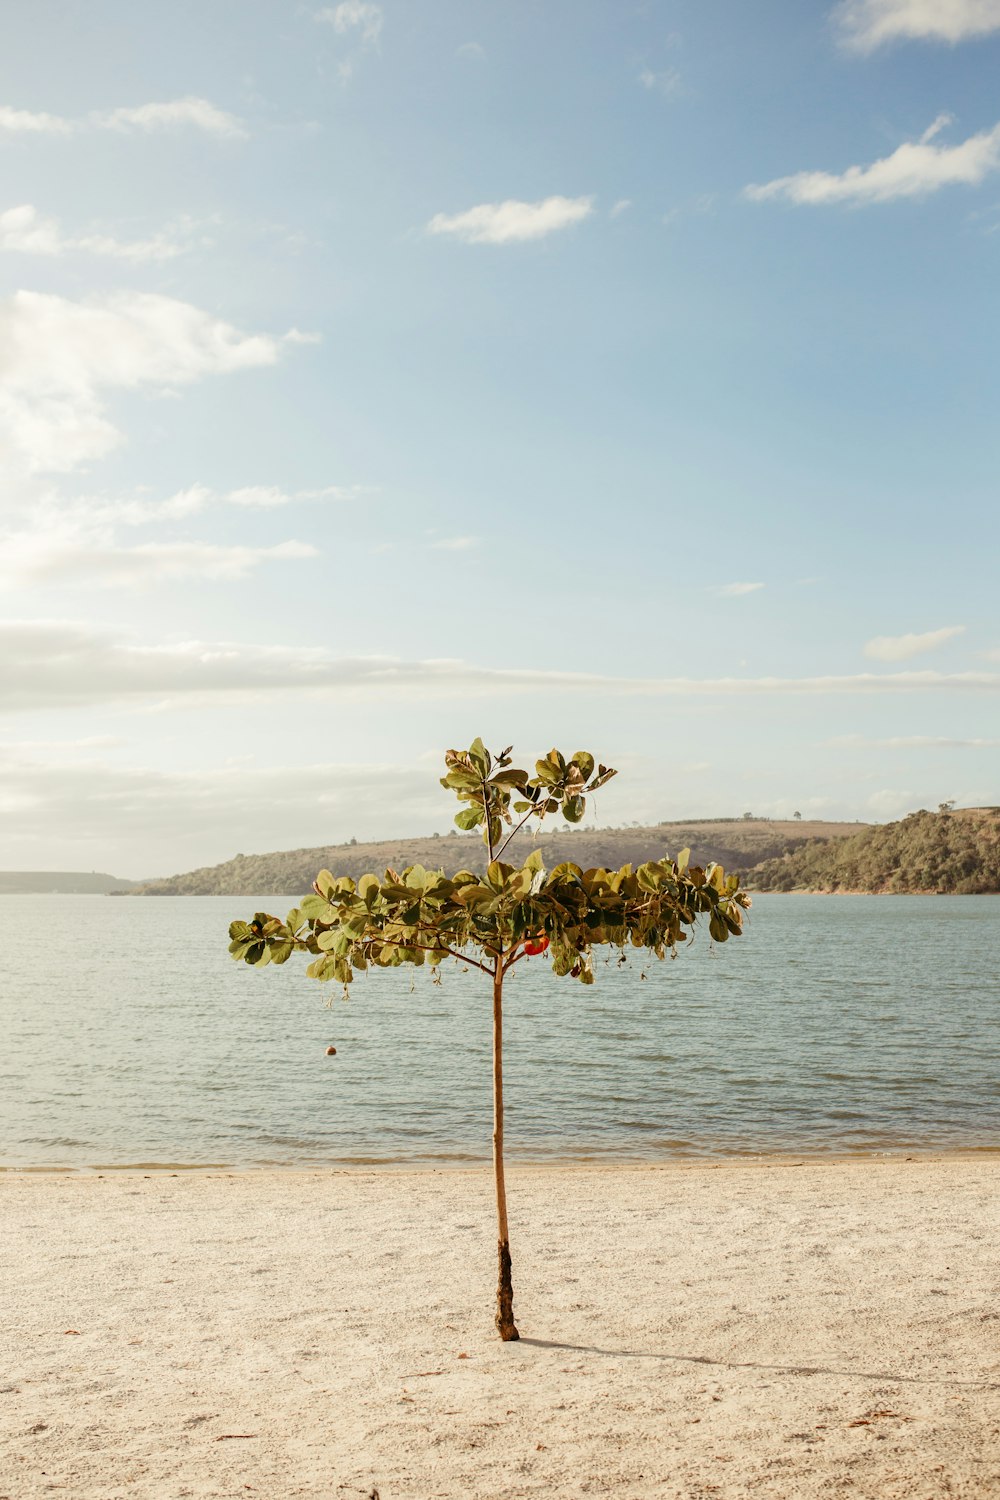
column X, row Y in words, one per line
column 474, row 50
column 266, row 497
column 357, row 20
column 78, row 540
column 903, row 647
column 455, row 543
column 867, row 24
column 46, row 664
column 59, row 357
column 199, row 114
column 94, row 811
column 354, row 15
column 192, row 501
column 620, row 207
column 27, row 232
column 736, row 590
column 34, row 558
column 667, row 82
column 25, row 122
column 888, row 804
column 914, row 170
column 510, row 221
column 913, row 742
column 88, row 742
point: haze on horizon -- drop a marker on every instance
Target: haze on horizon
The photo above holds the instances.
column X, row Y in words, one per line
column 373, row 376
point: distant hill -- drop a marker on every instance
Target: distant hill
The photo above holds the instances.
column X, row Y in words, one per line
column 944, row 852
column 735, row 843
column 59, row 882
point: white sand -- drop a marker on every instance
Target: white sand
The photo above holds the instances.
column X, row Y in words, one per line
column 762, row 1330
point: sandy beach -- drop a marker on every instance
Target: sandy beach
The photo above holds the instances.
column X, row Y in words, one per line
column 781, row 1329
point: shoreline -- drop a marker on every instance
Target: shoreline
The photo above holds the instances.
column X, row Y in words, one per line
column 361, row 1167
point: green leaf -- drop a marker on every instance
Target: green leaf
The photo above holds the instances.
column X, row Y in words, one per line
column 717, row 927
column 682, row 860
column 469, row 818
column 480, row 756
column 573, row 809
column 585, row 761
column 315, row 909
column 461, row 778
column 324, row 882
column 509, row 778
column 239, row 930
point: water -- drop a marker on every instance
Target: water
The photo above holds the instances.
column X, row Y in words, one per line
column 837, row 1024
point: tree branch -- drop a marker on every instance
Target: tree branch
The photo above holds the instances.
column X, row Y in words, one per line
column 424, row 948
column 531, row 813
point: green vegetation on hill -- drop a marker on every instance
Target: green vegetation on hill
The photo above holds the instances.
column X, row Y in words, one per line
column 736, row 844
column 60, row 882
column 943, row 852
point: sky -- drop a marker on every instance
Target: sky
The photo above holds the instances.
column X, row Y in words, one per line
column 610, row 374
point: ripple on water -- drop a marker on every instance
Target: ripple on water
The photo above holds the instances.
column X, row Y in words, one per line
column 859, row 1024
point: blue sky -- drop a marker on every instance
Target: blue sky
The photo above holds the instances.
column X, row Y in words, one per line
column 602, row 374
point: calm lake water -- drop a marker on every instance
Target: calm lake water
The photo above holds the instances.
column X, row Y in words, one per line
column 837, row 1024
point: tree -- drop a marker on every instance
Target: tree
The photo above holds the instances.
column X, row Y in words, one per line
column 494, row 921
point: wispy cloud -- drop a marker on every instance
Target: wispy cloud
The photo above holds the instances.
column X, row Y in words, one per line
column 904, row 647
column 511, row 221
column 171, row 114
column 735, row 590
column 81, row 540
column 199, row 114
column 914, row 170
column 891, row 803
column 48, row 664
column 60, row 357
column 359, row 16
column 867, row 24
column 30, row 559
column 65, row 810
column 35, row 560
column 455, row 543
column 28, row 122
column 49, row 512
column 667, row 81
column 360, row 22
column 23, row 230
column 912, row 742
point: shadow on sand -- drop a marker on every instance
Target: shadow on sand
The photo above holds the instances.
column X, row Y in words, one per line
column 726, row 1364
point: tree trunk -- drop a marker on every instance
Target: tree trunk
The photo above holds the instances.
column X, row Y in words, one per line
column 505, row 1290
